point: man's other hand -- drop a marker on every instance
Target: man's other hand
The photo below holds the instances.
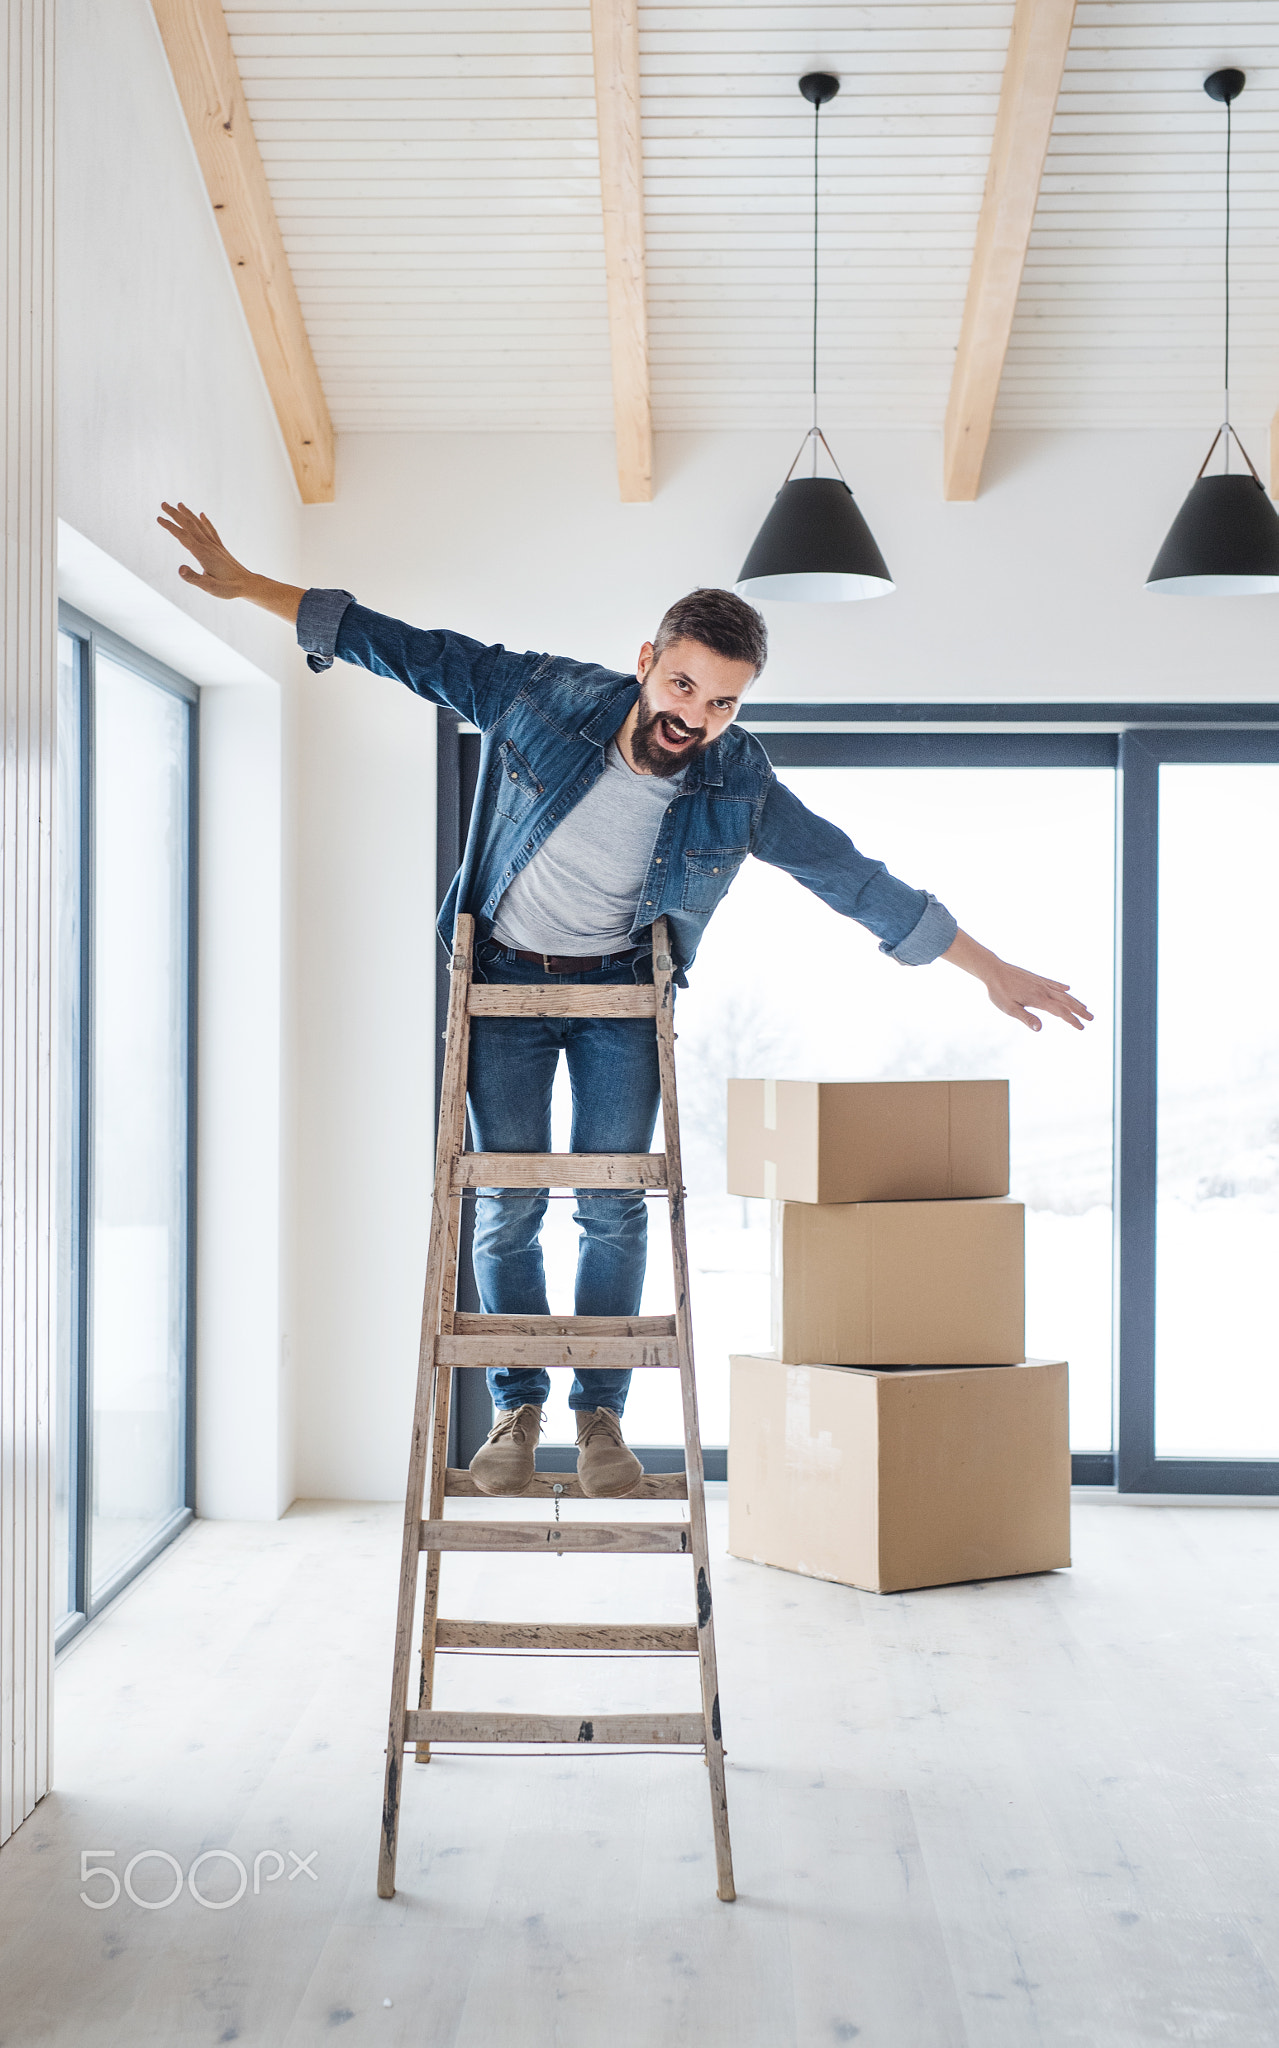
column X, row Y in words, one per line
column 222, row 575
column 1015, row 990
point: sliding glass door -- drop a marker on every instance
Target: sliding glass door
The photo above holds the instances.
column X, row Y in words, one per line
column 127, row 893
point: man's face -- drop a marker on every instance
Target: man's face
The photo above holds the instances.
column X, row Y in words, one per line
column 688, row 694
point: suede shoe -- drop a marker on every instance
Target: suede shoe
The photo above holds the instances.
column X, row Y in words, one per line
column 504, row 1462
column 605, row 1468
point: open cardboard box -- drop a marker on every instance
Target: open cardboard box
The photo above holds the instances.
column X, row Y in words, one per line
column 890, row 1479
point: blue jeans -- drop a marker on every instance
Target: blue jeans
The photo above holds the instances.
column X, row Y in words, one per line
column 612, row 1066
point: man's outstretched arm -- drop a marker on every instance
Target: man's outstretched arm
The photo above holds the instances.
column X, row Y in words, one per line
column 446, row 668
column 913, row 927
column 220, row 575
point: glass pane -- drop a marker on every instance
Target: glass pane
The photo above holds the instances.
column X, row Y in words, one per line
column 67, row 1139
column 1217, row 1342
column 139, row 1309
column 783, row 986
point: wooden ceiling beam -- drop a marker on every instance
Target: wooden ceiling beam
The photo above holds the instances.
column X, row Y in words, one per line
column 1027, row 103
column 615, row 41
column 207, row 77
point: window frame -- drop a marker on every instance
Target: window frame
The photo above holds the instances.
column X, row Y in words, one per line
column 1133, row 739
column 89, row 638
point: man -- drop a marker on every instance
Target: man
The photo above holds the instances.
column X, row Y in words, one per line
column 604, row 801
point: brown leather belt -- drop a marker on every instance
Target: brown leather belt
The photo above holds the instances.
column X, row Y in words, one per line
column 570, row 963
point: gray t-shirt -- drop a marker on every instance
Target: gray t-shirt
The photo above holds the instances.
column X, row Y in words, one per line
column 580, row 892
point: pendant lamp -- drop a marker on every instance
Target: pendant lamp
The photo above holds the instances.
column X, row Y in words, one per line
column 1224, row 542
column 814, row 546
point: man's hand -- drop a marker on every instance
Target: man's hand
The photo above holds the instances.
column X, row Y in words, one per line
column 1015, row 990
column 222, row 575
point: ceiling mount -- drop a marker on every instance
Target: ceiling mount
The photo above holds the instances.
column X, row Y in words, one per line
column 1225, row 85
column 820, row 86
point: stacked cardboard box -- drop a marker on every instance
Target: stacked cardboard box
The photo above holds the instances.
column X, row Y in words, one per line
column 898, row 1261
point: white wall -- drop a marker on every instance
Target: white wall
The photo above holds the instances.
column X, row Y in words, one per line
column 160, row 395
column 1034, row 591
column 365, row 1006
column 159, row 390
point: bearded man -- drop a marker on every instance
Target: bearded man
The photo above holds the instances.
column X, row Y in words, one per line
column 604, row 801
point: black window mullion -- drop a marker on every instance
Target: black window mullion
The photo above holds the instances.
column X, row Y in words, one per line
column 1136, row 1101
column 78, row 1490
column 457, row 769
column 193, row 1010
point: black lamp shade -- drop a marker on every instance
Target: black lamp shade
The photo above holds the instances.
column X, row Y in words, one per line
column 814, row 546
column 1224, row 542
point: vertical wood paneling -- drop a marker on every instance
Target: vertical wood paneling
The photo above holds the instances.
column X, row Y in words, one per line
column 26, row 913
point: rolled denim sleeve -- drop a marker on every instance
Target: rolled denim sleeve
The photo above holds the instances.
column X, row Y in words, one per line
column 320, row 616
column 927, row 940
column 912, row 927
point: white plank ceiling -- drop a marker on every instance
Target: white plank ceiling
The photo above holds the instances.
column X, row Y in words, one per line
column 435, row 173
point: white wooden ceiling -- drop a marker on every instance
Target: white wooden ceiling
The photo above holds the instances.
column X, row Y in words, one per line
column 434, row 171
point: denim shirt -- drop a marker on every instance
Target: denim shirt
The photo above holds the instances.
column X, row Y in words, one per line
column 546, row 724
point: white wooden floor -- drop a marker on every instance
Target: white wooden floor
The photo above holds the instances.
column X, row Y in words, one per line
column 1036, row 1811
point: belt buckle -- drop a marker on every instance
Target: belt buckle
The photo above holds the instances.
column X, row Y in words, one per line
column 546, row 964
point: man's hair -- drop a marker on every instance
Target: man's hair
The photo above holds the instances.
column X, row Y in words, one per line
column 717, row 619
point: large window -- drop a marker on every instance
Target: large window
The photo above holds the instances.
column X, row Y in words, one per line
column 1152, row 1209
column 125, row 1125
column 783, row 987
column 1217, row 1222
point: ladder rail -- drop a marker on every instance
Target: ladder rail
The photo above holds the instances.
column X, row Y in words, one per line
column 440, row 1411
column 664, row 982
column 441, row 1252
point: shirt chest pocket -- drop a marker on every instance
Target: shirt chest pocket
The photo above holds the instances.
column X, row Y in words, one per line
column 517, row 787
column 707, row 874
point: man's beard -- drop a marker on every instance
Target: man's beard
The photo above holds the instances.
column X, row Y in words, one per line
column 647, row 749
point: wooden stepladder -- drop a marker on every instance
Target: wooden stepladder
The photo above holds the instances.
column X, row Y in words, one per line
column 452, row 1338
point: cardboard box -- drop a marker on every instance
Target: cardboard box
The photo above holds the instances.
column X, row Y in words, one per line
column 887, row 1480
column 899, row 1283
column 867, row 1141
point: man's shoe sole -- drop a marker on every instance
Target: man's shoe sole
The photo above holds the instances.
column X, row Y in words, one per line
column 497, row 1492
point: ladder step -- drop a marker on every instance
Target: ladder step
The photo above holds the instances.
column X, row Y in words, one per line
column 459, row 1485
column 558, row 1170
column 663, row 1537
column 508, row 999
column 467, row 1325
column 423, row 1726
column 586, row 1353
column 557, row 1635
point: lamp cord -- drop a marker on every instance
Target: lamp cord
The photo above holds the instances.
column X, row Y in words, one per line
column 1226, row 377
column 817, row 115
